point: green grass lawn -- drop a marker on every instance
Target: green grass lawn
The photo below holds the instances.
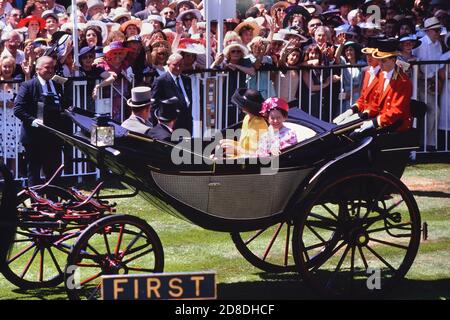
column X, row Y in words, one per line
column 190, row 248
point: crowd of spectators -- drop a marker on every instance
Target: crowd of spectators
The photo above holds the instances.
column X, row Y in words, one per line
column 127, row 43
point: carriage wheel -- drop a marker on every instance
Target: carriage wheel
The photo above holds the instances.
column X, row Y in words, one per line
column 37, row 256
column 117, row 244
column 359, row 235
column 268, row 249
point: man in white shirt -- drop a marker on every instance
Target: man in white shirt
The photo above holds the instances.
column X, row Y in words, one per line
column 429, row 50
column 12, row 43
column 38, row 102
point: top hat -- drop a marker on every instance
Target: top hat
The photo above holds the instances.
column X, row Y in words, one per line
column 386, row 48
column 372, row 45
column 248, row 99
column 168, row 109
column 140, row 97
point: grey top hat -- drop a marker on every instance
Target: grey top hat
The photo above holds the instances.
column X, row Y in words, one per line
column 140, row 97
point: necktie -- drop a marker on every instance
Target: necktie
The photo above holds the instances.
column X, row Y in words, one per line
column 49, row 87
column 179, row 85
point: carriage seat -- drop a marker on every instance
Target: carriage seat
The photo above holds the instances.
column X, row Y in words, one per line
column 302, row 132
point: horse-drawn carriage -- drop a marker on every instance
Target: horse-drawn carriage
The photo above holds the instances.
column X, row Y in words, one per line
column 331, row 207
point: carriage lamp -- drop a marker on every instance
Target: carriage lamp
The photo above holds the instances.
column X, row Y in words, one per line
column 102, row 134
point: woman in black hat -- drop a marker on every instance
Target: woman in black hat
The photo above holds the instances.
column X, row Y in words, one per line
column 93, row 73
column 253, row 127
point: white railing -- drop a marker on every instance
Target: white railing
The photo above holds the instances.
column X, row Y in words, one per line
column 212, row 109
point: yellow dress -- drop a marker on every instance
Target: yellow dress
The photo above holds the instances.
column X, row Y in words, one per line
column 253, row 127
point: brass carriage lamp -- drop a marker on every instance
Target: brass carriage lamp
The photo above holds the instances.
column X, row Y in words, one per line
column 102, row 134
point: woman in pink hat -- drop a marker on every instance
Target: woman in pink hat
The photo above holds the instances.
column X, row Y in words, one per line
column 115, row 61
column 278, row 137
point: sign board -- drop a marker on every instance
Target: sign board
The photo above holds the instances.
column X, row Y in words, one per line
column 225, row 9
column 160, row 286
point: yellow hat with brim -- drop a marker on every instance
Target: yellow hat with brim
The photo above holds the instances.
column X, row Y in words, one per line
column 368, row 50
column 383, row 55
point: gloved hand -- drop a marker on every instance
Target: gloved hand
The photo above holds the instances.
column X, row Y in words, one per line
column 343, row 116
column 353, row 117
column 366, row 125
column 37, row 122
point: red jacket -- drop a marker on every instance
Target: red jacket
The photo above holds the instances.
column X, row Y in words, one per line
column 367, row 92
column 393, row 104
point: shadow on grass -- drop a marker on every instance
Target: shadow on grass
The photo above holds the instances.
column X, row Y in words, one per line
column 291, row 287
column 56, row 293
column 431, row 194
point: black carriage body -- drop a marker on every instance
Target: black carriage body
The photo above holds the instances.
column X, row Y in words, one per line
column 241, row 194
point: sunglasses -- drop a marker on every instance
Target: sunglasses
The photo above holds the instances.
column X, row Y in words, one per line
column 168, row 13
column 235, row 51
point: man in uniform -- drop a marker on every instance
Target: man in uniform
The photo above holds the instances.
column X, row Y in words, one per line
column 390, row 105
column 370, row 81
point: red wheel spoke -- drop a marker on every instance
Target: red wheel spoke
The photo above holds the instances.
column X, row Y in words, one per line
column 95, row 276
column 119, row 241
column 23, row 251
column 88, row 265
column 41, row 265
column 27, row 267
column 272, row 241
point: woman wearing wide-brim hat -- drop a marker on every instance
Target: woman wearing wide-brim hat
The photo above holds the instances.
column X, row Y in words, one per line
column 34, row 26
column 247, row 30
column 407, row 43
column 277, row 12
column 254, row 125
column 131, row 28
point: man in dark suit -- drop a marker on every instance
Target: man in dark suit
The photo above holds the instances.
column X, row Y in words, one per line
column 39, row 102
column 173, row 83
column 166, row 114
